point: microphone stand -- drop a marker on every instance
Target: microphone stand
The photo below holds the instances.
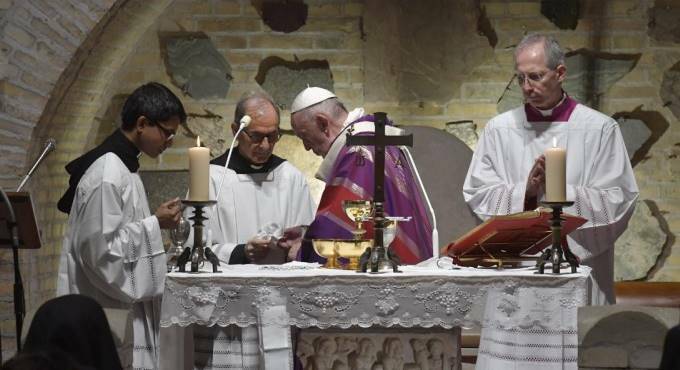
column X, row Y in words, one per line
column 19, row 304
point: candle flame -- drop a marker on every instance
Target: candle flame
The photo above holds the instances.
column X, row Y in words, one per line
column 198, row 141
column 554, row 142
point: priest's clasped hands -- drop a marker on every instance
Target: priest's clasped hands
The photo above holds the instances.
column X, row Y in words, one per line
column 536, row 180
column 169, row 213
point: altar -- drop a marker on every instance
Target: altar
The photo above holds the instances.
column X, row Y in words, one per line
column 527, row 320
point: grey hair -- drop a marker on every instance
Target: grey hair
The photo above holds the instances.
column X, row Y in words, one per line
column 554, row 55
column 333, row 107
column 257, row 96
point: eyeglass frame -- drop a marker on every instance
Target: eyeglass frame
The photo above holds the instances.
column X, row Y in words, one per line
column 523, row 78
column 269, row 137
column 169, row 135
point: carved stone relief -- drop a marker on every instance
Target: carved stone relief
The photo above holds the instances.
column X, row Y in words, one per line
column 379, row 348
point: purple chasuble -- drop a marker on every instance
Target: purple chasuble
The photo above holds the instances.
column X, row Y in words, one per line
column 352, row 178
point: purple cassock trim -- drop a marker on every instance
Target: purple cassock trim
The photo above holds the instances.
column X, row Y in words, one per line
column 560, row 113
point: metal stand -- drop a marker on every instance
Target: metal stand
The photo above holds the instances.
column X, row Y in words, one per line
column 557, row 254
column 199, row 253
column 19, row 303
column 380, row 257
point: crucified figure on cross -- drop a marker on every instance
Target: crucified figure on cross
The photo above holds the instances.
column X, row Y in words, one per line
column 378, row 253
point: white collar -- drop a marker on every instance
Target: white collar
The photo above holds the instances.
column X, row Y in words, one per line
column 548, row 112
column 327, row 164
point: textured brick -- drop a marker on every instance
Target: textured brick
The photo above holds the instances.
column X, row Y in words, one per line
column 272, row 41
column 339, row 42
column 353, row 9
column 495, row 9
column 230, row 42
column 230, row 7
column 47, row 31
column 22, row 94
column 19, row 35
column 634, row 42
column 243, row 58
column 627, row 8
column 71, row 28
column 346, row 25
column 487, row 91
column 465, row 110
column 325, row 10
column 229, row 25
column 200, row 7
column 523, row 24
column 525, row 8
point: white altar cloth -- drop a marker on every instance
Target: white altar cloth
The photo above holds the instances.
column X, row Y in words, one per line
column 527, row 320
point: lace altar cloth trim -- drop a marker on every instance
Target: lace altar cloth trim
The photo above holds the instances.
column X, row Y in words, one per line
column 505, row 300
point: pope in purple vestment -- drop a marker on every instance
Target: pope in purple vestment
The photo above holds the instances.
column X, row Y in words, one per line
column 349, row 175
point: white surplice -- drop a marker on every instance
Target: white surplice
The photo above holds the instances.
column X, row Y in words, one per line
column 113, row 251
column 247, row 203
column 599, row 180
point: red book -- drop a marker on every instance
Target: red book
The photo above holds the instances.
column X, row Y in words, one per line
column 509, row 237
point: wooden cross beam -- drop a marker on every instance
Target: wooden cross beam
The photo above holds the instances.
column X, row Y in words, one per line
column 380, row 141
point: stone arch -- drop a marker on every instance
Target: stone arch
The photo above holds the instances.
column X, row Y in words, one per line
column 631, row 338
column 64, row 103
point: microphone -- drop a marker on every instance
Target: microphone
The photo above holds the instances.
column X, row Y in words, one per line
column 435, row 232
column 245, row 121
column 50, row 145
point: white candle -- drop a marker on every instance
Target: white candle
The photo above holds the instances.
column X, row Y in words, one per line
column 555, row 174
column 199, row 163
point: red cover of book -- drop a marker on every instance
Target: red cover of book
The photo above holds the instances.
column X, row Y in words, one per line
column 510, row 236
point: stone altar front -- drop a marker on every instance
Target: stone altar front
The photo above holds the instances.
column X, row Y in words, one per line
column 527, row 320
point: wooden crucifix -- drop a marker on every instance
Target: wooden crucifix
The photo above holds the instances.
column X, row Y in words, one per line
column 380, row 141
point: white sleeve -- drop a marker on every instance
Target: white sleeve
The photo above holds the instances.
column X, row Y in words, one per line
column 124, row 260
column 608, row 195
column 487, row 189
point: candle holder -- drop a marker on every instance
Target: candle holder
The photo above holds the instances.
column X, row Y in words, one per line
column 199, row 253
column 556, row 254
column 379, row 258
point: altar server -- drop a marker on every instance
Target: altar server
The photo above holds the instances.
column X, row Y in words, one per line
column 112, row 250
column 507, row 172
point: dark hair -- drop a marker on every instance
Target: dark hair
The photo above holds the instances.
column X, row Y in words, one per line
column 77, row 325
column 153, row 101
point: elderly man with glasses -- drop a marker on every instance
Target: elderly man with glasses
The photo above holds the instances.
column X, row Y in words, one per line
column 258, row 196
column 507, row 172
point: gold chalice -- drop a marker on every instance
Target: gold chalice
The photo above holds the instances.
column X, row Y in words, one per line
column 332, row 249
column 358, row 211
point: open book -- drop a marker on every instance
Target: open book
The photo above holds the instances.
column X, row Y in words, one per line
column 509, row 237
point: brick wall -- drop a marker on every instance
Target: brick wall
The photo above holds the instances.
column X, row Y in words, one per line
column 58, row 58
column 64, row 66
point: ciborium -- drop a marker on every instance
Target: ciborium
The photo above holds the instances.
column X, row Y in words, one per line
column 334, row 249
column 359, row 211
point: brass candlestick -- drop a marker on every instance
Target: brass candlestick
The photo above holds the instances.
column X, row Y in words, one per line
column 556, row 254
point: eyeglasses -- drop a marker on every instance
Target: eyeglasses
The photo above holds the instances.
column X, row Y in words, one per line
column 257, row 138
column 169, row 134
column 531, row 77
